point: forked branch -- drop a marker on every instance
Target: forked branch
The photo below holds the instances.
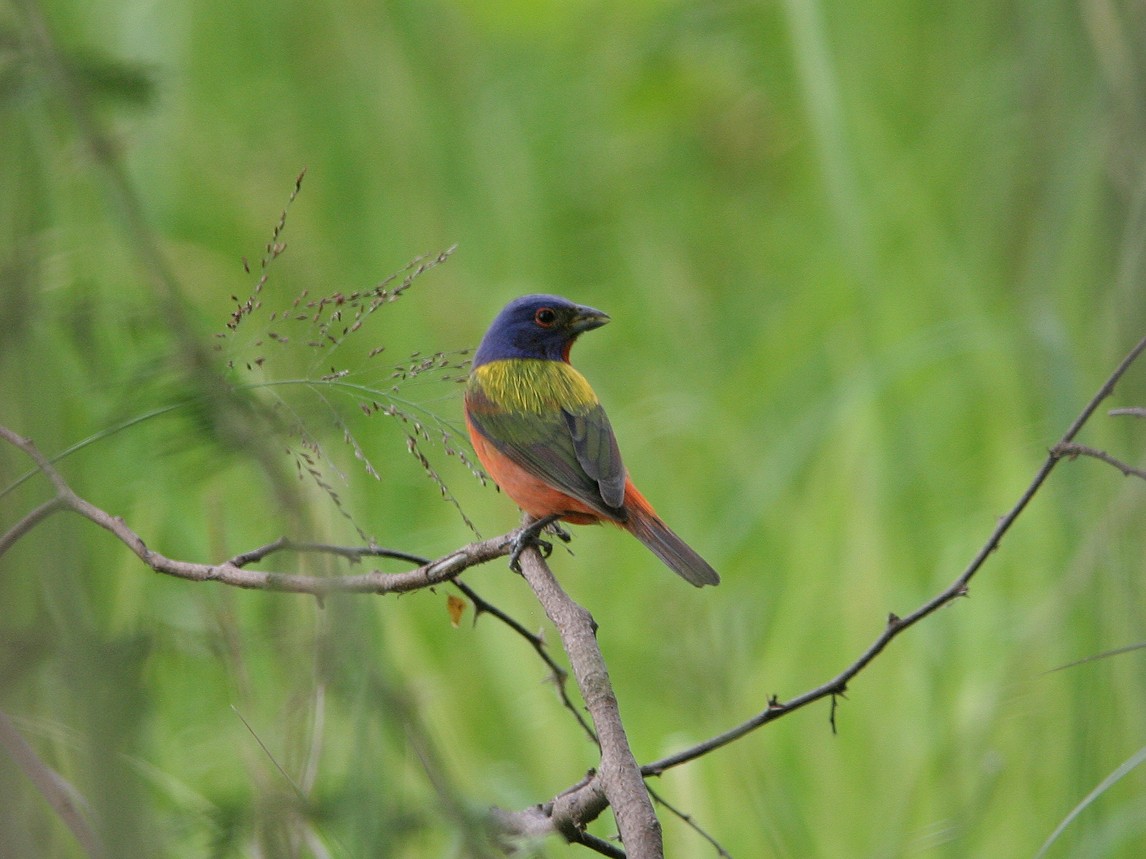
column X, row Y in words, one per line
column 896, row 625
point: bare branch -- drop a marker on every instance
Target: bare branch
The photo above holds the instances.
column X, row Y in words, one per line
column 619, row 775
column 230, row 573
column 1073, row 450
column 354, row 554
column 896, row 625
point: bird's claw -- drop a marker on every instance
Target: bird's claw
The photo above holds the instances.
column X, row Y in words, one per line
column 530, row 535
column 520, row 545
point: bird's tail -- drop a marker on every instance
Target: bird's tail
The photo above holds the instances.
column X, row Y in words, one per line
column 644, row 524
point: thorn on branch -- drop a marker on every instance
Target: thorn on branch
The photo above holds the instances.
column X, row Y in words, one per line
column 836, row 696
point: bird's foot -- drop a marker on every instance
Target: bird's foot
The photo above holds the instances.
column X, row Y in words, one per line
column 530, row 535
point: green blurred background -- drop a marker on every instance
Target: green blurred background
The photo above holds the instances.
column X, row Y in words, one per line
column 865, row 262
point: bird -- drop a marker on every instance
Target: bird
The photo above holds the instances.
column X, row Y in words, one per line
column 541, row 433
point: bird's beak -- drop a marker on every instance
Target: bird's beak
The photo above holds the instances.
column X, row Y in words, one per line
column 587, row 318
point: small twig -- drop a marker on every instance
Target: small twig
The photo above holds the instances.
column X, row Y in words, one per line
column 1073, row 450
column 1132, row 411
column 836, row 696
column 559, row 675
column 354, row 554
column 598, row 845
column 690, row 822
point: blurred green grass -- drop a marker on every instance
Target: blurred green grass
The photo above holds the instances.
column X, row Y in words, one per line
column 864, row 263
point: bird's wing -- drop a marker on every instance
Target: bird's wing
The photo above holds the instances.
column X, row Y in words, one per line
column 573, row 450
column 597, row 452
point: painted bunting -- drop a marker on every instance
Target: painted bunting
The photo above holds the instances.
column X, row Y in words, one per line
column 544, row 438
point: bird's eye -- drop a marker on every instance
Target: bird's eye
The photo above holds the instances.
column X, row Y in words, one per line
column 545, row 317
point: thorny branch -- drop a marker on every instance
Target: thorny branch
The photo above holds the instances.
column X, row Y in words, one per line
column 837, row 686
column 1073, row 450
column 568, row 812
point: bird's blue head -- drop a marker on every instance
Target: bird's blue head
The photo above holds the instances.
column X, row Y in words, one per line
column 537, row 326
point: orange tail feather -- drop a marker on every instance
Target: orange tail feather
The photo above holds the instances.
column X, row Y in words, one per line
column 644, row 524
